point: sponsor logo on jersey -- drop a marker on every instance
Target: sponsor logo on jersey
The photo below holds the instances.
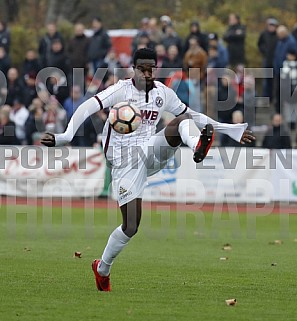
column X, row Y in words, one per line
column 159, row 101
column 149, row 116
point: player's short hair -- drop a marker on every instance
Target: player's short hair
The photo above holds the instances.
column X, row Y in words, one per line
column 144, row 53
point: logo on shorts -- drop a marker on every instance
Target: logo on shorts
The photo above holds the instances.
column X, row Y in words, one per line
column 122, row 190
column 159, row 101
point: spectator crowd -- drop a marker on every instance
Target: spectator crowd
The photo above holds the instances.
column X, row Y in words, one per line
column 207, row 73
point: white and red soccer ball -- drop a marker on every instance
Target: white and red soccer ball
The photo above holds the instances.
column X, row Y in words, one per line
column 124, row 117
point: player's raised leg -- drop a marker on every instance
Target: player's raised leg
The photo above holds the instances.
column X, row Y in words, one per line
column 183, row 129
column 119, row 238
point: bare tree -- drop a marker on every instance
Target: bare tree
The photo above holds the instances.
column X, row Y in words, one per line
column 12, row 7
column 52, row 11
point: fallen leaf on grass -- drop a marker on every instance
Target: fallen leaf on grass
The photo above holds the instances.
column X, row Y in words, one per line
column 231, row 302
column 276, row 242
column 77, row 254
column 26, row 249
column 227, row 247
column 273, row 264
column 224, row 258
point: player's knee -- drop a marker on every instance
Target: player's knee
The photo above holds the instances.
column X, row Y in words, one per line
column 131, row 230
column 176, row 121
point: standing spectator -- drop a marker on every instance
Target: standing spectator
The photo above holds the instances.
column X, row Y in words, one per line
column 286, row 42
column 34, row 124
column 7, row 127
column 277, row 136
column 15, row 87
column 213, row 73
column 30, row 89
column 58, row 87
column 288, row 78
column 45, row 44
column 5, row 61
column 4, row 36
column 266, row 44
column 235, row 39
column 183, row 86
column 196, row 58
column 154, row 31
column 249, row 100
column 114, row 66
column 171, row 38
column 57, row 57
column 170, row 62
column 75, row 99
column 142, row 31
column 165, row 21
column 143, row 41
column 93, row 128
column 294, row 31
column 78, row 48
column 227, row 98
column 195, row 31
column 31, row 63
column 55, row 117
column 222, row 59
column 99, row 46
column 19, row 115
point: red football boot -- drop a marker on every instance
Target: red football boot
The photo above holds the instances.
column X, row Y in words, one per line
column 204, row 143
column 102, row 282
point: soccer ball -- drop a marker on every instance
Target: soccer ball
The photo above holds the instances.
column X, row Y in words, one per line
column 124, row 118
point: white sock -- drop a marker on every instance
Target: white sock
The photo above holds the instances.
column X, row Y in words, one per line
column 115, row 244
column 189, row 133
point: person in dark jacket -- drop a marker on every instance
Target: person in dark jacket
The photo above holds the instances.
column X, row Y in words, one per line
column 15, row 86
column 172, row 38
column 195, row 31
column 31, row 63
column 222, row 57
column 34, row 123
column 171, row 62
column 266, row 44
column 45, row 43
column 57, row 57
column 277, row 137
column 4, row 36
column 235, row 39
column 100, row 44
column 5, row 61
column 286, row 42
column 77, row 50
column 7, row 127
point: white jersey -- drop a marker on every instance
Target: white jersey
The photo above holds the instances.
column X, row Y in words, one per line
column 159, row 99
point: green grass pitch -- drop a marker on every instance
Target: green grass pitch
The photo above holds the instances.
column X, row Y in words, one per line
column 170, row 271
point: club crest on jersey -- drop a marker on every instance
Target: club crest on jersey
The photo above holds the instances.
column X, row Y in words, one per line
column 159, row 101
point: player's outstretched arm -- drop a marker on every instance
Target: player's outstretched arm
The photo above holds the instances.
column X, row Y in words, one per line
column 85, row 110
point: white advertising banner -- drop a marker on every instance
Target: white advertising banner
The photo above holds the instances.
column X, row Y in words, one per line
column 284, row 175
column 226, row 175
column 36, row 171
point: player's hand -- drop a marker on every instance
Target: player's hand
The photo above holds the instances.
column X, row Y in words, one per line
column 48, row 140
column 247, row 137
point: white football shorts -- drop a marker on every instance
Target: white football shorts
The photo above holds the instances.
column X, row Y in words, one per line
column 129, row 174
